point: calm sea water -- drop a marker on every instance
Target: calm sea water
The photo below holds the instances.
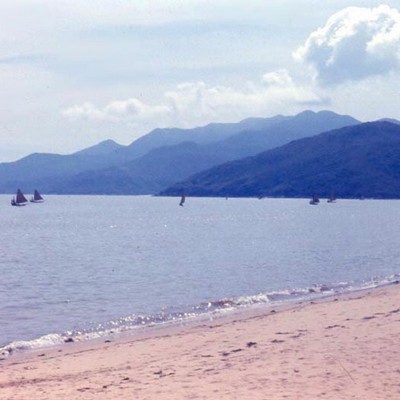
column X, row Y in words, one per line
column 89, row 263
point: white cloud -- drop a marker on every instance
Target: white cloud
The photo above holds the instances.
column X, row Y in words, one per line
column 197, row 103
column 354, row 44
column 278, row 78
column 125, row 58
column 86, row 111
column 129, row 111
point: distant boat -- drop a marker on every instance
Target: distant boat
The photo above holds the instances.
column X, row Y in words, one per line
column 332, row 198
column 37, row 198
column 183, row 198
column 19, row 199
column 315, row 200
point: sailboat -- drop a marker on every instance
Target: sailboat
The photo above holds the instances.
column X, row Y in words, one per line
column 183, row 198
column 315, row 200
column 37, row 198
column 332, row 198
column 19, row 199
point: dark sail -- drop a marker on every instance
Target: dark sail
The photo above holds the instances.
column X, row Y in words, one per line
column 314, row 200
column 332, row 198
column 37, row 196
column 20, row 197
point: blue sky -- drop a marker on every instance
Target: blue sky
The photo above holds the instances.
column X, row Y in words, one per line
column 75, row 73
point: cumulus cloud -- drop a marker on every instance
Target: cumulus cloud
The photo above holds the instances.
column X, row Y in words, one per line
column 280, row 77
column 354, row 44
column 118, row 110
column 86, row 110
column 197, row 103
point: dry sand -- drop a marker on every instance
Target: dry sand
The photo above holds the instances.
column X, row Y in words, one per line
column 341, row 348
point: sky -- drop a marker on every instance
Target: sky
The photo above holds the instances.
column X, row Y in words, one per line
column 74, row 73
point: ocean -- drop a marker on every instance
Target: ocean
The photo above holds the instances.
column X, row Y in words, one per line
column 78, row 267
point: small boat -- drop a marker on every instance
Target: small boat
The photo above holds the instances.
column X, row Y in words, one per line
column 315, row 200
column 183, row 198
column 37, row 198
column 19, row 199
column 332, row 198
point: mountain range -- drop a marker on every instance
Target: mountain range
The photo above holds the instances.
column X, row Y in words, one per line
column 162, row 157
column 354, row 161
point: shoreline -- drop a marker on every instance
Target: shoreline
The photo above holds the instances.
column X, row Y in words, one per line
column 332, row 347
column 221, row 310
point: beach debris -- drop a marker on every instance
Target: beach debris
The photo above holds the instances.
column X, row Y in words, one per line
column 335, row 326
column 345, row 370
column 236, row 350
column 370, row 317
column 69, row 340
column 251, row 344
column 297, row 336
column 162, row 374
column 277, row 341
column 83, row 389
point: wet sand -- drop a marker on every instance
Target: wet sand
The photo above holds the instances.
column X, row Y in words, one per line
column 339, row 348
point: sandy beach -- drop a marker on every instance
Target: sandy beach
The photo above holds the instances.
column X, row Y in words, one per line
column 344, row 347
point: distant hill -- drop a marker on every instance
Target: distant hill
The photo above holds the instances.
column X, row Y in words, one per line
column 392, row 120
column 146, row 175
column 103, row 148
column 361, row 160
column 161, row 158
column 201, row 135
column 164, row 166
column 52, row 172
column 305, row 124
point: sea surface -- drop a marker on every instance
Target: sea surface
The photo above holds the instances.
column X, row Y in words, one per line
column 82, row 266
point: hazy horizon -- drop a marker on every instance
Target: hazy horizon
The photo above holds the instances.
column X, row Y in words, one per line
column 74, row 74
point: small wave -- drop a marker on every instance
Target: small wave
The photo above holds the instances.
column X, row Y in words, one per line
column 49, row 340
column 206, row 309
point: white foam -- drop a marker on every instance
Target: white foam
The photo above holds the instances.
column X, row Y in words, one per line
column 49, row 340
column 209, row 309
